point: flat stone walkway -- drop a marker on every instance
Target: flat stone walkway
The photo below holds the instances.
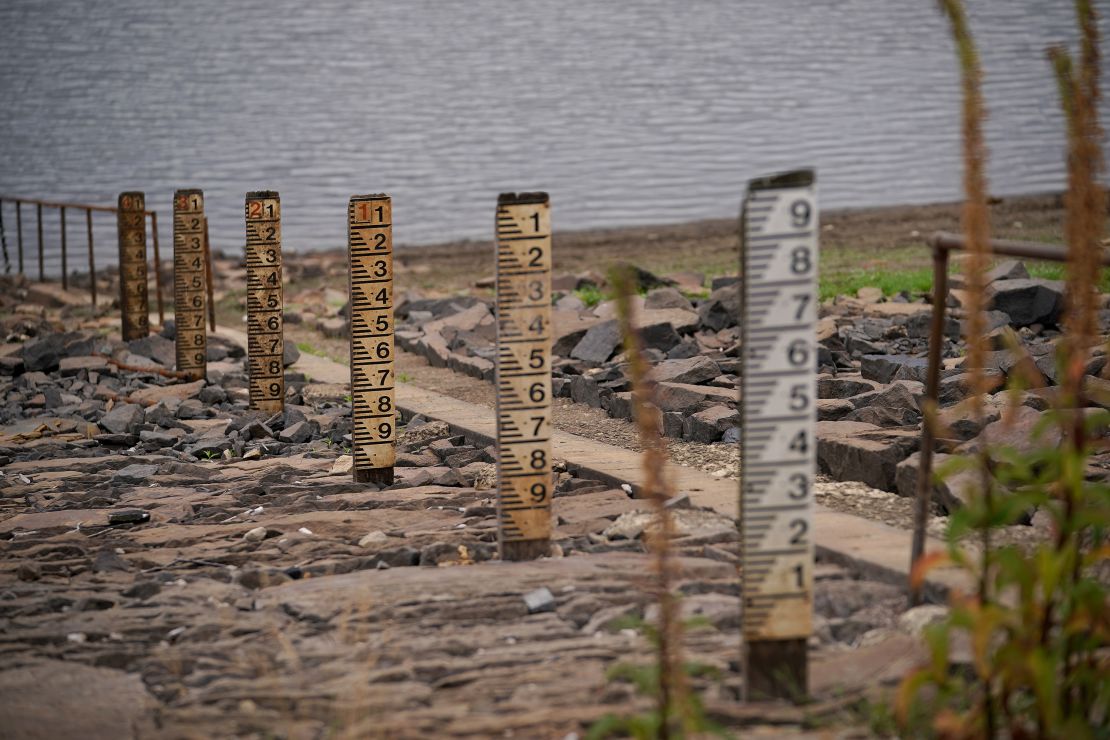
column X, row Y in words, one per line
column 875, row 549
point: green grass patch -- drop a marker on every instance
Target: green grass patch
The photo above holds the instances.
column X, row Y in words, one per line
column 311, row 350
column 891, row 282
column 591, row 295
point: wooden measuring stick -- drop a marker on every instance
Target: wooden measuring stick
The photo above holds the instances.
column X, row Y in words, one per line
column 189, row 283
column 524, row 375
column 131, row 224
column 777, row 433
column 373, row 408
column 265, row 338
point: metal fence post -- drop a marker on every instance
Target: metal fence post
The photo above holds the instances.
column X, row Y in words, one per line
column 92, row 259
column 38, row 214
column 65, row 262
column 19, row 232
column 157, row 267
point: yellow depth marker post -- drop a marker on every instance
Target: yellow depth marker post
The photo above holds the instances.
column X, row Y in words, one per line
column 370, row 252
column 134, row 308
column 524, row 375
column 777, row 432
column 189, row 284
column 265, row 340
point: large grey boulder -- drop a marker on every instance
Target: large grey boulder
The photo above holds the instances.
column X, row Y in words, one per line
column 721, row 309
column 599, row 343
column 886, row 368
column 667, row 298
column 853, row 450
column 124, row 418
column 694, row 370
column 1028, row 301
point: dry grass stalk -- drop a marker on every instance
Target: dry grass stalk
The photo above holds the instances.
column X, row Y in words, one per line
column 672, row 704
column 1085, row 199
column 976, row 227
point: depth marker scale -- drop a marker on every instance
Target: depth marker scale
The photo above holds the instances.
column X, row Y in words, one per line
column 265, row 322
column 373, row 406
column 523, row 229
column 190, row 292
column 133, row 302
column 777, row 435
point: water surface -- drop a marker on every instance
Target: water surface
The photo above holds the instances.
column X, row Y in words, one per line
column 627, row 113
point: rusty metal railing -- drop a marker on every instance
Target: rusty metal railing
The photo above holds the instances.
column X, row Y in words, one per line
column 62, row 208
column 942, row 243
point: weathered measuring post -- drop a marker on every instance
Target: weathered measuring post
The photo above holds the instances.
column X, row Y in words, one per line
column 373, row 408
column 189, row 284
column 131, row 224
column 777, row 434
column 265, row 337
column 524, row 375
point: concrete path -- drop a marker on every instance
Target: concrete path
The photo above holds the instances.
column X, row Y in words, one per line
column 875, row 549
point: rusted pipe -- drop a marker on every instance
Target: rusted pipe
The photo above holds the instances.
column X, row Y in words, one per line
column 59, row 204
column 38, row 214
column 65, row 265
column 19, row 232
column 92, row 258
column 4, row 241
column 157, row 267
column 942, row 243
column 929, row 408
column 1009, row 247
column 208, row 277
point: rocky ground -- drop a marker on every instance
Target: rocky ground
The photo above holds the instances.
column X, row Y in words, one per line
column 174, row 565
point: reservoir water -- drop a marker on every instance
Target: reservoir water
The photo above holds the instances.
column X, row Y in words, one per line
column 626, row 112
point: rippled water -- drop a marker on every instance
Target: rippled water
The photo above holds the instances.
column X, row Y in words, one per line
column 631, row 112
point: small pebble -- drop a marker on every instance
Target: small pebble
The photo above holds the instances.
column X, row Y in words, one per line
column 255, row 535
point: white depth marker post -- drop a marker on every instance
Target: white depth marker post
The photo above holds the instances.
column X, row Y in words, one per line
column 777, row 436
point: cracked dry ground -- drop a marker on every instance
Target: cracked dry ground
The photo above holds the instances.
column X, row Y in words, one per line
column 187, row 626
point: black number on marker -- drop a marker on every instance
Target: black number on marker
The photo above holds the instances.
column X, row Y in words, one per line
column 801, row 481
column 799, row 400
column 539, row 459
column 798, row 352
column 799, row 527
column 803, row 302
column 539, row 423
column 536, row 253
column 800, row 443
column 535, row 360
column 800, row 212
column 536, row 392
column 800, row 261
column 538, row 492
column 384, row 429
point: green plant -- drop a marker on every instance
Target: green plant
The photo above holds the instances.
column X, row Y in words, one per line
column 677, row 712
column 590, row 294
column 403, row 377
column 1036, row 627
column 208, row 454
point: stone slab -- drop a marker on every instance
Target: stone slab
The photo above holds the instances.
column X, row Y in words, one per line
column 878, row 550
